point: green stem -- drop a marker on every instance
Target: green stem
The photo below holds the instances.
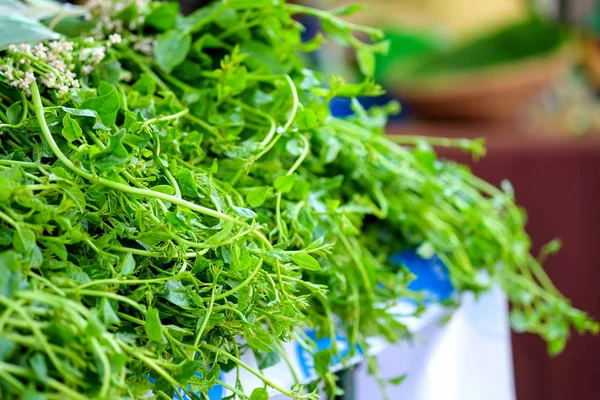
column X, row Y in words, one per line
column 38, row 334
column 132, row 281
column 363, row 273
column 239, row 287
column 39, row 111
column 166, row 117
column 24, row 105
column 105, row 387
column 150, row 363
column 326, row 16
column 208, row 312
column 234, row 310
column 203, row 124
column 241, row 394
column 109, row 295
column 254, row 372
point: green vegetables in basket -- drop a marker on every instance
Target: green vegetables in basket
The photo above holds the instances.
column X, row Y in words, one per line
column 174, row 194
column 532, row 38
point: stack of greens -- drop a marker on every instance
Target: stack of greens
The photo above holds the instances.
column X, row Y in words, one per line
column 175, row 193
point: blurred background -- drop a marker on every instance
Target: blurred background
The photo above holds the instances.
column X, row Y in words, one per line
column 525, row 75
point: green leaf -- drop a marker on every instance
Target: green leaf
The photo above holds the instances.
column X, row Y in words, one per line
column 128, row 264
column 348, row 10
column 14, row 113
column 32, row 394
column 285, row 183
column 18, row 29
column 166, row 189
column 71, row 129
column 244, row 212
column 265, row 359
column 214, row 167
column 556, row 346
column 76, row 195
column 306, row 261
column 56, row 248
column 109, row 316
column 163, row 15
column 213, row 374
column 257, row 196
column 187, row 183
column 7, row 188
column 174, row 291
column 366, row 61
column 200, row 264
column 106, row 106
column 322, row 361
column 240, row 258
column 135, row 140
column 6, row 347
column 306, row 119
column 259, row 394
column 221, row 235
column 114, row 155
column 258, row 338
column 518, row 321
column 397, row 380
column 171, row 49
column 153, row 326
column 187, row 369
column 86, row 113
column 39, row 367
column 24, row 240
column 109, row 71
column 146, row 85
column 5, row 233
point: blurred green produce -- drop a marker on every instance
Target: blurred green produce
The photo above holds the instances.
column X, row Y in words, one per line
column 421, row 57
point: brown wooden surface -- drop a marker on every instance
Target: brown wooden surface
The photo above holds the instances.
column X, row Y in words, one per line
column 557, row 179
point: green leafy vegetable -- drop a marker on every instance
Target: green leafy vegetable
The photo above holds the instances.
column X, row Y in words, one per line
column 176, row 195
column 171, row 49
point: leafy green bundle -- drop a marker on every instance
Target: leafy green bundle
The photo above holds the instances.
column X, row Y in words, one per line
column 175, row 193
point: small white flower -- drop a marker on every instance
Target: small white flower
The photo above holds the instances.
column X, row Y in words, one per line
column 98, row 54
column 62, row 91
column 145, row 46
column 67, row 46
column 25, row 48
column 86, row 69
column 115, row 38
column 40, row 47
column 12, row 48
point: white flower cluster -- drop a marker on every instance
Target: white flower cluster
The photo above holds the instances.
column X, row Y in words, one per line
column 91, row 57
column 145, row 45
column 54, row 63
column 18, row 78
column 110, row 27
column 114, row 38
column 107, row 10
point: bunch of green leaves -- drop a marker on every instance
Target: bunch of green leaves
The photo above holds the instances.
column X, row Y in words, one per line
column 186, row 206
